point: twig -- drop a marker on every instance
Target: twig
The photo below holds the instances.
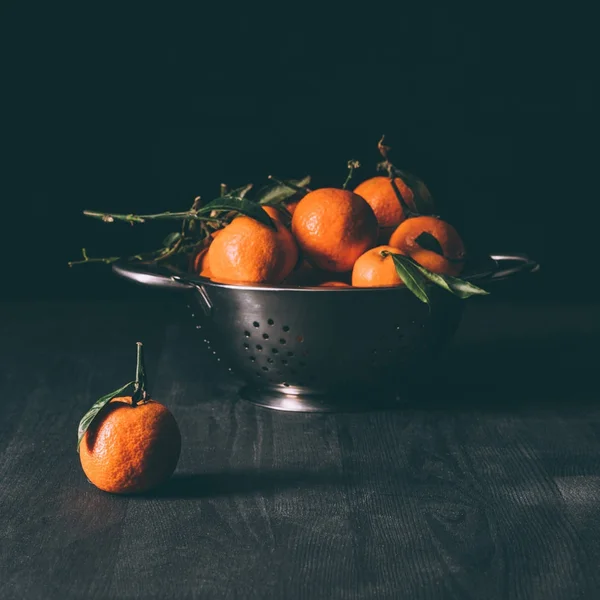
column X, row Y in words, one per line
column 111, row 217
column 352, row 165
column 87, row 259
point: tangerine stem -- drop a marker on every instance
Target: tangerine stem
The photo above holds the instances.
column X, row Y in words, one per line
column 352, row 165
column 139, row 391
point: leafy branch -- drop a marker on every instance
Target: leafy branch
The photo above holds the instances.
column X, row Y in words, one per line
column 213, row 215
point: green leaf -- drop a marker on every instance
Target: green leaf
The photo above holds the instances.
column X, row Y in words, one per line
column 241, row 205
column 429, row 242
column 91, row 414
column 275, row 192
column 459, row 287
column 171, row 239
column 411, row 277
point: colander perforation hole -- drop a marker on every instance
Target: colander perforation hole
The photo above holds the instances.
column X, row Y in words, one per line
column 246, row 333
column 258, row 374
column 259, row 347
column 270, row 361
column 284, row 361
column 285, row 328
column 286, row 384
column 290, row 353
column 256, row 324
column 274, row 351
column 252, row 359
column 271, row 322
column 282, row 341
column 247, row 346
column 265, row 368
column 265, row 336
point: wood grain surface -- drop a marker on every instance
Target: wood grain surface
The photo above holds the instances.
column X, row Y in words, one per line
column 486, row 487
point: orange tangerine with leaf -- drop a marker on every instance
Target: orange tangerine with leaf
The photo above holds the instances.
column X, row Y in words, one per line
column 432, row 242
column 375, row 268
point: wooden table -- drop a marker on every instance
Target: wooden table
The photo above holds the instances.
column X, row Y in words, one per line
column 489, row 491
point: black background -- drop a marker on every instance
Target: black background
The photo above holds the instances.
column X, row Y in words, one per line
column 141, row 108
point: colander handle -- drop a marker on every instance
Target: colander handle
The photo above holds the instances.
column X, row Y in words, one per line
column 157, row 276
column 151, row 275
column 523, row 264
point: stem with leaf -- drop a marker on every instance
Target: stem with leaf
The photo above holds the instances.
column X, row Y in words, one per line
column 387, row 166
column 421, row 196
column 140, row 394
column 416, row 278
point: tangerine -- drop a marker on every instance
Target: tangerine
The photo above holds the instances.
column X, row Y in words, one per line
column 246, row 251
column 130, row 448
column 451, row 245
column 373, row 269
column 333, row 227
column 436, row 263
column 200, row 265
column 382, row 198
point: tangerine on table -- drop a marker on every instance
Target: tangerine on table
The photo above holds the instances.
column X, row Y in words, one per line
column 333, row 227
column 246, row 251
column 405, row 237
column 130, row 449
column 374, row 270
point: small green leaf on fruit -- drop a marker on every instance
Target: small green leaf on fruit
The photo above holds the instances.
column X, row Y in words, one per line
column 429, row 242
column 89, row 416
column 411, row 277
column 459, row 287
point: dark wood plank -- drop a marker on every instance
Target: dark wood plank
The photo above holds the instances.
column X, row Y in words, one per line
column 487, row 493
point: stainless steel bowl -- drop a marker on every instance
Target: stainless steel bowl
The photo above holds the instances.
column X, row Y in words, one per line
column 322, row 349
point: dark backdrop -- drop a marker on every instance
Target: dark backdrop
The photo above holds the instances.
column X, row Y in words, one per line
column 142, row 108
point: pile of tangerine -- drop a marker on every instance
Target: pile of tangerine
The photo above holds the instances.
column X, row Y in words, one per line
column 336, row 237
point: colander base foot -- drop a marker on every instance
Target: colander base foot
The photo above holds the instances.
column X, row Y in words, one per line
column 332, row 403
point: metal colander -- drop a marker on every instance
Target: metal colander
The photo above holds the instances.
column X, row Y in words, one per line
column 317, row 349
